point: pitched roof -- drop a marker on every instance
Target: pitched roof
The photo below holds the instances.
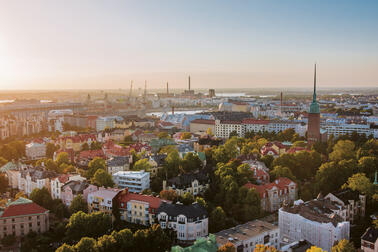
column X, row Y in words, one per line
column 154, row 202
column 280, row 184
column 186, row 179
column 370, row 235
column 22, row 207
column 190, row 211
column 203, row 121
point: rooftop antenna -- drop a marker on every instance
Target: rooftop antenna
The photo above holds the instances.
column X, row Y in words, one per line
column 314, row 95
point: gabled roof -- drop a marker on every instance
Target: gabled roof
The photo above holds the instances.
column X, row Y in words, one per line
column 280, row 184
column 154, row 202
column 371, row 235
column 190, row 211
column 21, row 207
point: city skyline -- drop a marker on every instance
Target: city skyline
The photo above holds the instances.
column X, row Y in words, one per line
column 97, row 45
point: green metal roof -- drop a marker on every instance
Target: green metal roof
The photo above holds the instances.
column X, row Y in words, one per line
column 8, row 166
column 201, row 245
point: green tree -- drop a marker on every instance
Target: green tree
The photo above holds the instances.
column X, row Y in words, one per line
column 359, row 182
column 78, row 204
column 8, row 240
column 86, row 244
column 191, row 162
column 233, row 134
column 172, row 164
column 368, row 165
column 217, row 220
column 94, row 165
column 343, row 246
column 62, row 158
column 186, row 135
column 84, row 146
column 280, row 171
column 42, row 197
column 263, row 248
column 299, row 144
column 315, row 249
column 268, row 160
column 102, row 178
column 142, row 164
column 343, row 150
column 168, row 195
column 50, row 149
column 187, row 198
column 162, row 135
column 65, row 248
column 96, row 146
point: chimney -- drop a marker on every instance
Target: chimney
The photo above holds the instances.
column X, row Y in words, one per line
column 281, row 98
column 167, row 89
column 173, row 110
column 189, row 82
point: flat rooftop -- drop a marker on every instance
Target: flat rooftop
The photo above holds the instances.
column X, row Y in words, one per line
column 244, row 231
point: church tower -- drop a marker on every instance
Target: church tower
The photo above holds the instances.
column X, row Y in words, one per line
column 313, row 128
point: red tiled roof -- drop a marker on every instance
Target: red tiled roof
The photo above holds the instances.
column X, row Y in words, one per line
column 91, row 154
column 296, row 149
column 23, row 209
column 230, row 122
column 153, row 202
column 280, row 183
column 255, row 121
column 64, row 178
column 266, row 150
column 203, row 121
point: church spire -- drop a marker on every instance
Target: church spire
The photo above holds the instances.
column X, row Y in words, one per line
column 314, row 107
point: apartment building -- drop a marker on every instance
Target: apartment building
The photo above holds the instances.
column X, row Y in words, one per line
column 318, row 221
column 138, row 208
column 273, row 195
column 102, row 200
column 58, row 182
column 195, row 183
column 118, row 163
column 190, row 222
column 352, row 201
column 73, row 188
column 135, row 181
column 35, row 150
column 369, row 240
column 223, row 128
column 23, row 216
column 246, row 236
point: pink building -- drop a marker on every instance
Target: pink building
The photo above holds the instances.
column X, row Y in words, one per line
column 23, row 216
column 73, row 188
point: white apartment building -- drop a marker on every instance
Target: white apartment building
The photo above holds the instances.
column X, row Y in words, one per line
column 35, row 150
column 318, row 221
column 246, row 236
column 345, row 128
column 136, row 181
column 224, row 128
column 190, row 222
column 58, row 182
column 104, row 122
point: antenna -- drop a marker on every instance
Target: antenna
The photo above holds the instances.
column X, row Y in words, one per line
column 314, row 95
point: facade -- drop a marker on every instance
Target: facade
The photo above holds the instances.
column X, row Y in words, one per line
column 34, row 178
column 58, row 182
column 190, row 222
column 73, row 188
column 135, row 181
column 102, row 200
column 274, row 194
column 313, row 130
column 246, row 236
column 118, row 163
column 337, row 129
column 138, row 208
column 195, row 183
column 35, row 150
column 223, row 128
column 23, row 216
column 352, row 201
column 369, row 240
column 318, row 221
column 202, row 125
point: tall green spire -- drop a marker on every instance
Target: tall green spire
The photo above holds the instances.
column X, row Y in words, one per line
column 314, row 107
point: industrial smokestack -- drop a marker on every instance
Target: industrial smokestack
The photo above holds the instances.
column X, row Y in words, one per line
column 281, row 98
column 189, row 82
column 173, row 110
column 167, row 89
column 145, row 88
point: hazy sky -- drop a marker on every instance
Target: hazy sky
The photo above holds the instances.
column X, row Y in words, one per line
column 104, row 44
